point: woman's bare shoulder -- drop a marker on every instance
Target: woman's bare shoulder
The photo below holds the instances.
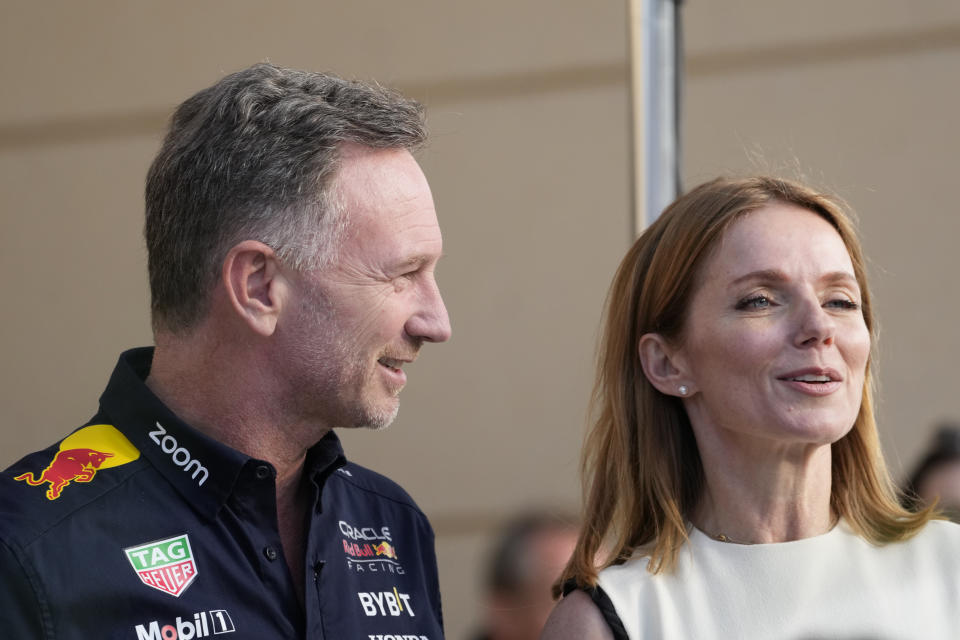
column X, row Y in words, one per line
column 576, row 617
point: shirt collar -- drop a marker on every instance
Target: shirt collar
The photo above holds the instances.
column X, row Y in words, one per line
column 324, row 458
column 203, row 470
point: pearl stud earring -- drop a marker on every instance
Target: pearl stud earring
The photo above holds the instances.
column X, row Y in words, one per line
column 682, row 389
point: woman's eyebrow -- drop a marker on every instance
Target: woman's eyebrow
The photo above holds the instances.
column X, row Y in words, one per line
column 768, row 275
column 840, row 276
column 775, row 275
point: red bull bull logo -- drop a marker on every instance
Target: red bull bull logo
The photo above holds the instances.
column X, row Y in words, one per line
column 81, row 455
column 71, row 465
column 384, row 549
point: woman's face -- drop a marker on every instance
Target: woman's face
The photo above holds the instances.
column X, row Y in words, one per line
column 775, row 344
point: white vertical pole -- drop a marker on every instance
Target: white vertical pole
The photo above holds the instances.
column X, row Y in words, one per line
column 654, row 73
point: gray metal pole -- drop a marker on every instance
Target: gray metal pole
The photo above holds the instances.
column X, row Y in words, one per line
column 655, row 72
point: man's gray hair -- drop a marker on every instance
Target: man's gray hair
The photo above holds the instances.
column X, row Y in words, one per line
column 253, row 157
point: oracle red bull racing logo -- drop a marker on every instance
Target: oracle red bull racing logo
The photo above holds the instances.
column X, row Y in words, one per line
column 81, row 455
column 370, row 549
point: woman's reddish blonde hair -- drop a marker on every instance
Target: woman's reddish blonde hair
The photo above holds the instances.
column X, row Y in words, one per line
column 642, row 474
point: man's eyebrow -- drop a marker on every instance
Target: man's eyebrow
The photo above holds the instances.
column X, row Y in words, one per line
column 419, row 259
column 776, row 276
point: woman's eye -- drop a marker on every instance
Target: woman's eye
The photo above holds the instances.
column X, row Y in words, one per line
column 843, row 303
column 754, row 302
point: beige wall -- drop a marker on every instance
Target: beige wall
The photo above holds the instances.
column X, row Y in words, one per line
column 529, row 166
column 862, row 97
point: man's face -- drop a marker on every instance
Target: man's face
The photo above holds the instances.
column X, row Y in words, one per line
column 355, row 323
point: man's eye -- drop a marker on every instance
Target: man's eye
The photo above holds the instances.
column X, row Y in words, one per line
column 404, row 280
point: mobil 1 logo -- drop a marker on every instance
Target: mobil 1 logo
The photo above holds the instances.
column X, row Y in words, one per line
column 201, row 624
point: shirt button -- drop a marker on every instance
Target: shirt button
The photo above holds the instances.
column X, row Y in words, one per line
column 262, row 472
column 270, row 553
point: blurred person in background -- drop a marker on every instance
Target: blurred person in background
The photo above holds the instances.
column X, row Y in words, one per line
column 936, row 478
column 734, row 479
column 524, row 562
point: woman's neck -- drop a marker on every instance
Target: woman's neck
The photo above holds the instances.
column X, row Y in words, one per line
column 755, row 497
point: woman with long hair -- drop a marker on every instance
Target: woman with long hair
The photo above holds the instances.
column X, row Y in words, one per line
column 733, row 479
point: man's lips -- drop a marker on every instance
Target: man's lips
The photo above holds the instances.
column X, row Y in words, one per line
column 393, row 368
column 394, row 363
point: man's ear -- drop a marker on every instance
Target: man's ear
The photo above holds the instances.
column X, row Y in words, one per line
column 664, row 366
column 254, row 285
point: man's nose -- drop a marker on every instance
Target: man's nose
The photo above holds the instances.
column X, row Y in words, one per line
column 430, row 322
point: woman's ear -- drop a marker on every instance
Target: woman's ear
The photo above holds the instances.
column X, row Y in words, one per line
column 664, row 366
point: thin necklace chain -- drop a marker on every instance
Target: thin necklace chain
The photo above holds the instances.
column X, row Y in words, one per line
column 723, row 538
column 720, row 537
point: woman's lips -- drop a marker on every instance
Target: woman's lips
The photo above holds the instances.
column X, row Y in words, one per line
column 814, row 381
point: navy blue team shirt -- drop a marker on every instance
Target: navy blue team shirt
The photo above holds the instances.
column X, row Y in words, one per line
column 137, row 526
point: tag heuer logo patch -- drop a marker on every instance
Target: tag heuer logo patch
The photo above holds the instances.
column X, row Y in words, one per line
column 166, row 565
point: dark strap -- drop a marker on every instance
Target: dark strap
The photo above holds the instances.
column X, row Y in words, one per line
column 603, row 602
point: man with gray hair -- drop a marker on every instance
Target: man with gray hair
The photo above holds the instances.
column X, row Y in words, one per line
column 292, row 242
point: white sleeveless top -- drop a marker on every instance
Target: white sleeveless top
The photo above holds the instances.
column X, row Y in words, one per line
column 835, row 586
